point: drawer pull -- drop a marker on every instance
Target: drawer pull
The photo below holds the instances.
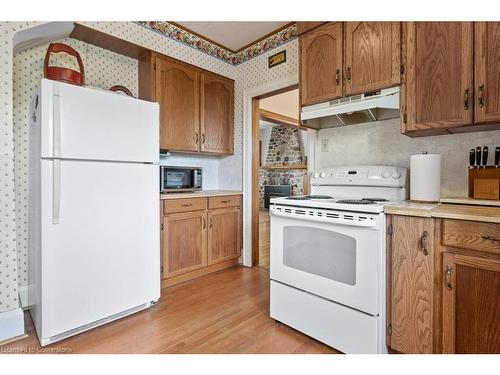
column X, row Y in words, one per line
column 490, row 238
column 449, row 269
column 424, row 243
column 225, row 201
column 186, row 205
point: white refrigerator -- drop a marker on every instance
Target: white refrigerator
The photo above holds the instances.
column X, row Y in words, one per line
column 94, row 230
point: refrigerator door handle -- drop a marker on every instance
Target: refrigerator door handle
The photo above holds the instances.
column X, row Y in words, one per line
column 56, row 130
column 56, row 190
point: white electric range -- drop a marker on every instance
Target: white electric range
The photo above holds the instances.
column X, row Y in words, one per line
column 328, row 256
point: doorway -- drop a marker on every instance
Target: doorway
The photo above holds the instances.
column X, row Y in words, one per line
column 279, row 161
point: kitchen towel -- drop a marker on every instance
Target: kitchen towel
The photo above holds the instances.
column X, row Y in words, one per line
column 425, row 177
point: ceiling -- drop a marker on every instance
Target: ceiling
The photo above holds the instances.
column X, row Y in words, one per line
column 233, row 36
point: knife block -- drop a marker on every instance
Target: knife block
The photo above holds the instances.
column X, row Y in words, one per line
column 484, row 183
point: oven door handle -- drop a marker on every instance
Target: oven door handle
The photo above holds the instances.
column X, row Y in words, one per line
column 327, row 220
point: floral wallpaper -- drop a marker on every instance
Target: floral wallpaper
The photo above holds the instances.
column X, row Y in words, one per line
column 183, row 36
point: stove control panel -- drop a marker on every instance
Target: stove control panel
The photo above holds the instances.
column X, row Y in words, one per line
column 362, row 176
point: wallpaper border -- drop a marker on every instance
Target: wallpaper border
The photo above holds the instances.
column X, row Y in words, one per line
column 185, row 37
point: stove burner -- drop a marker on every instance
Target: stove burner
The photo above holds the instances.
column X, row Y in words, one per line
column 376, row 199
column 354, row 201
column 307, row 197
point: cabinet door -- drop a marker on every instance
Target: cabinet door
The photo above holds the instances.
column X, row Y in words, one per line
column 411, row 288
column 177, row 91
column 487, row 72
column 372, row 56
column 321, row 64
column 471, row 304
column 184, row 243
column 217, row 118
column 437, row 83
column 224, row 235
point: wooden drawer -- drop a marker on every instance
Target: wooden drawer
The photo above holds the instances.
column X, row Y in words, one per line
column 172, row 206
column 224, row 201
column 472, row 235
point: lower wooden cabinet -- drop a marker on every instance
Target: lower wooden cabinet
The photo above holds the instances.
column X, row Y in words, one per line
column 443, row 290
column 411, row 286
column 224, row 235
column 184, row 243
column 471, row 304
column 199, row 236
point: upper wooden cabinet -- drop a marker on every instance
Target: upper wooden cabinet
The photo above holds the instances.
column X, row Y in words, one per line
column 372, row 56
column 321, row 64
column 339, row 59
column 410, row 290
column 217, row 118
column 487, row 72
column 178, row 93
column 437, row 85
column 196, row 106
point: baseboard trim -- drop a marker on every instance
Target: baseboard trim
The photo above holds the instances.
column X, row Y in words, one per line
column 11, row 324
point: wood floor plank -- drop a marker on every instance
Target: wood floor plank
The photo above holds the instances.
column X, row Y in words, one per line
column 227, row 312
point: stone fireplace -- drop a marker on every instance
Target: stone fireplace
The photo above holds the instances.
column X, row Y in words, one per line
column 283, row 161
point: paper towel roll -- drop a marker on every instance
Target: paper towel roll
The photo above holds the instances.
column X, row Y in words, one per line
column 425, row 177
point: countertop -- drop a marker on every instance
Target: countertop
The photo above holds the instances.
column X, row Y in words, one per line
column 487, row 214
column 200, row 194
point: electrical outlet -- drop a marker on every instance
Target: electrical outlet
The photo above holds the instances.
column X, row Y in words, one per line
column 324, row 145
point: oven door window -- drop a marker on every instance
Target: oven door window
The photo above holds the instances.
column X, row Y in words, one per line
column 178, row 179
column 320, row 252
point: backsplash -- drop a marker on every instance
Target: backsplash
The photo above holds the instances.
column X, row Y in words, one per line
column 382, row 143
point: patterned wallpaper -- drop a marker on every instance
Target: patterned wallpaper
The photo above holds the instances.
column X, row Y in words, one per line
column 227, row 171
column 8, row 256
column 103, row 69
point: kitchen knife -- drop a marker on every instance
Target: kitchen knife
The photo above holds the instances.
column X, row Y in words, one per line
column 497, row 156
column 478, row 157
column 485, row 156
column 472, row 158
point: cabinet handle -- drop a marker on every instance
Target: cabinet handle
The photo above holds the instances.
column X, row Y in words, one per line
column 225, row 201
column 204, row 223
column 211, row 222
column 186, row 205
column 203, row 138
column 449, row 270
column 481, row 98
column 196, row 138
column 424, row 243
column 337, row 77
column 348, row 71
column 466, row 99
column 490, row 238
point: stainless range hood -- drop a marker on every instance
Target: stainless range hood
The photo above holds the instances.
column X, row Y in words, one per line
column 373, row 106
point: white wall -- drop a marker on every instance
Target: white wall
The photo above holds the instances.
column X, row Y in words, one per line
column 286, row 103
column 382, row 143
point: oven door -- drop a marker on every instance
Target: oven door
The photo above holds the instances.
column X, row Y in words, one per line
column 333, row 254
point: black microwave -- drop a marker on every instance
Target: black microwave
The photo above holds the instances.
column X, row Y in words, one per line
column 174, row 179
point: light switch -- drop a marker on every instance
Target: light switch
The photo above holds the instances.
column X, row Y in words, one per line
column 324, row 145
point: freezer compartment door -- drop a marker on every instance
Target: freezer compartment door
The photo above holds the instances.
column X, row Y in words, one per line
column 100, row 250
column 91, row 124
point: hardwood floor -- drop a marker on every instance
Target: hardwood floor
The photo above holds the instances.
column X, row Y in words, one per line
column 226, row 312
column 264, row 239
